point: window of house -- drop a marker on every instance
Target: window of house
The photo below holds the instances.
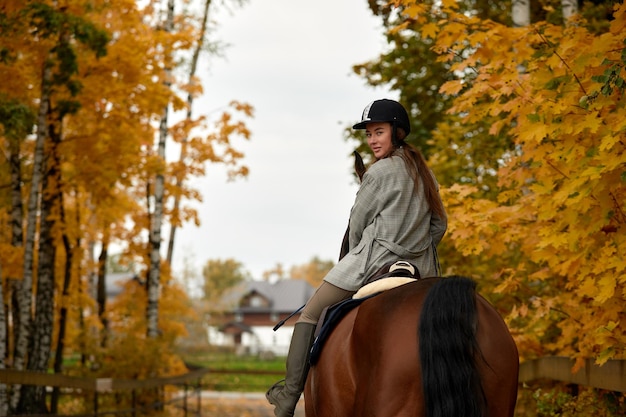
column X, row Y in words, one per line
column 256, row 301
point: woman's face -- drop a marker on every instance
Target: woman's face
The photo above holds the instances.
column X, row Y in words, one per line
column 379, row 138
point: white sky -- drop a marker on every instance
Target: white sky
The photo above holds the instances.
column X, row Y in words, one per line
column 291, row 60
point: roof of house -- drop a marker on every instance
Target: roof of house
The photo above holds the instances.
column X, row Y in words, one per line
column 284, row 296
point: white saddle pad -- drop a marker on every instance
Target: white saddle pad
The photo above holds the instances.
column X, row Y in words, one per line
column 382, row 284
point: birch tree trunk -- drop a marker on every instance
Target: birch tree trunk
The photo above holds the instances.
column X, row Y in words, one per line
column 24, row 297
column 15, row 134
column 520, row 12
column 154, row 274
column 33, row 398
column 183, row 145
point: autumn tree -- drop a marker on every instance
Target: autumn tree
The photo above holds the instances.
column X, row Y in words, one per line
column 17, row 122
column 156, row 185
column 558, row 218
column 535, row 221
column 276, row 273
column 411, row 68
column 84, row 179
column 221, row 275
column 312, row 272
column 127, row 317
column 192, row 88
column 55, row 30
column 219, row 140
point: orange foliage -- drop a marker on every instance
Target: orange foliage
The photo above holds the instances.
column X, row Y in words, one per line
column 107, row 156
column 553, row 240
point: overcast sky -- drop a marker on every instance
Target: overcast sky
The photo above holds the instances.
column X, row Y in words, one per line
column 291, row 60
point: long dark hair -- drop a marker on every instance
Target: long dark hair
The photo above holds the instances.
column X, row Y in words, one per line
column 418, row 170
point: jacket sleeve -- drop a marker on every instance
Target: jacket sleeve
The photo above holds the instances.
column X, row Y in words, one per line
column 367, row 205
column 438, row 227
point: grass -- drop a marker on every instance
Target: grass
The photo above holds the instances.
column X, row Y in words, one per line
column 229, row 372
column 237, row 373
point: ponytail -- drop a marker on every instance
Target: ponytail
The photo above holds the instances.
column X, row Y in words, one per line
column 419, row 171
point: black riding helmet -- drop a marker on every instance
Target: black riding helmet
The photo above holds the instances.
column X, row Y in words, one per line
column 385, row 110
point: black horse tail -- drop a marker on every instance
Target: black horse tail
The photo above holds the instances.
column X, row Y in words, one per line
column 448, row 350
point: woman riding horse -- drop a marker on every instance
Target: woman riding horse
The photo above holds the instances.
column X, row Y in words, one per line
column 397, row 214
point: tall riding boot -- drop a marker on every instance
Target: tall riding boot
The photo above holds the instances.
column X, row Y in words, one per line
column 285, row 396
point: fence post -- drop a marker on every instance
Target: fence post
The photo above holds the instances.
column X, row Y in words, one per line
column 185, row 400
column 199, row 390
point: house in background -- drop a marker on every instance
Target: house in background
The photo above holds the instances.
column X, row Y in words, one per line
column 114, row 283
column 258, row 307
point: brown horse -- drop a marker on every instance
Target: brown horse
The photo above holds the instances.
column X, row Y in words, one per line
column 433, row 348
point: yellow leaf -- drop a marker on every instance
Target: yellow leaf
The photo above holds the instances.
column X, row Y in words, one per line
column 588, row 288
column 607, row 285
column 540, row 188
column 430, row 30
column 415, row 10
column 451, row 87
column 608, row 141
column 592, row 122
column 534, row 132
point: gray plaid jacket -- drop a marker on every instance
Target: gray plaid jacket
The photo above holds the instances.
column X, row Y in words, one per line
column 389, row 220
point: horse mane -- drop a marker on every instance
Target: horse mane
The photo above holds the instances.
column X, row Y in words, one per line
column 448, row 350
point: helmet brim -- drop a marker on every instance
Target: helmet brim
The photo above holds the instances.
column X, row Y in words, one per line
column 363, row 124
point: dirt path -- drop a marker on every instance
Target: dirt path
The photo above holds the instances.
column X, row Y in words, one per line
column 239, row 405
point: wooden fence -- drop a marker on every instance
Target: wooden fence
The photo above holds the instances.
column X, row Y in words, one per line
column 610, row 376
column 97, row 387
